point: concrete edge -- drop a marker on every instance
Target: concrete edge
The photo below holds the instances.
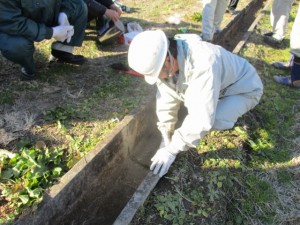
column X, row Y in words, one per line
column 246, row 36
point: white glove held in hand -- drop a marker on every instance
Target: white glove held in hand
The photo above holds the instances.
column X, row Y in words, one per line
column 162, row 161
column 63, row 19
column 62, row 33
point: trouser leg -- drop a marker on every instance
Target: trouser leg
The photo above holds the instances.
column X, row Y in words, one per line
column 295, row 72
column 295, row 50
column 64, row 51
column 279, row 17
column 230, row 108
column 219, row 13
column 208, row 14
column 295, row 34
column 78, row 18
column 18, row 50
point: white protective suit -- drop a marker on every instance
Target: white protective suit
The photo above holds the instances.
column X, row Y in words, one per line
column 212, row 16
column 279, row 17
column 216, row 86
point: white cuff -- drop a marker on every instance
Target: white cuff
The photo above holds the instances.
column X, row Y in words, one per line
column 177, row 144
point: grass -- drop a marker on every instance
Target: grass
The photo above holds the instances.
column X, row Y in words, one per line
column 247, row 175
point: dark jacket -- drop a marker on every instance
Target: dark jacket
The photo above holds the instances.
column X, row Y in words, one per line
column 97, row 7
column 32, row 19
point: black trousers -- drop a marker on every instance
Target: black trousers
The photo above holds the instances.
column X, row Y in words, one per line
column 233, row 4
column 20, row 50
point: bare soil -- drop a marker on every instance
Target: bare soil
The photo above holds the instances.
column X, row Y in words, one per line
column 79, row 96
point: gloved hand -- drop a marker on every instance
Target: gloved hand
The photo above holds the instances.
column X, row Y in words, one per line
column 162, row 161
column 62, row 33
column 70, row 35
column 63, row 19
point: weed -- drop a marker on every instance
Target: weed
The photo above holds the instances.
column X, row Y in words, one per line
column 25, row 176
column 197, row 17
column 7, row 98
column 169, row 207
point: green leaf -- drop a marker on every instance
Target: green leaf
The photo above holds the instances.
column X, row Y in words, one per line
column 205, row 214
column 6, row 191
column 16, row 171
column 6, row 174
column 219, row 184
column 30, row 155
column 34, row 193
column 57, row 171
column 24, row 198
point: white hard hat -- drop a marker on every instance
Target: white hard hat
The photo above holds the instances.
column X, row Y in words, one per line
column 147, row 53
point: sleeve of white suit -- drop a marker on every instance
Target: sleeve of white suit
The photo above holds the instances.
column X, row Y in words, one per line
column 167, row 107
column 201, row 99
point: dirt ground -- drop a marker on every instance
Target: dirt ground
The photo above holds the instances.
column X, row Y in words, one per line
column 24, row 103
column 82, row 101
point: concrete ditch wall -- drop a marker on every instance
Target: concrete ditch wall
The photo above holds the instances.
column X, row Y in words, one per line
column 99, row 186
column 230, row 36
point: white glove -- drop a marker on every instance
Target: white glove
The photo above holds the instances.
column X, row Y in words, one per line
column 62, row 33
column 70, row 35
column 162, row 161
column 63, row 19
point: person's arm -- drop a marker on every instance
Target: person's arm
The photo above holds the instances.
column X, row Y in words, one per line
column 13, row 22
column 116, row 8
column 167, row 107
column 201, row 98
column 95, row 8
column 112, row 14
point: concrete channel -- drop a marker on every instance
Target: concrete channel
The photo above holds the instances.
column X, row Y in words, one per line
column 112, row 181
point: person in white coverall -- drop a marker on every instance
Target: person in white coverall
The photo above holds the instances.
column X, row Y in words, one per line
column 212, row 16
column 216, row 87
column 279, row 18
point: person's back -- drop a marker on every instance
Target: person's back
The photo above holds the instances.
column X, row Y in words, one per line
column 201, row 58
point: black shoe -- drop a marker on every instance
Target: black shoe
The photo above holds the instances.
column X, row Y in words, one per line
column 282, row 65
column 232, row 12
column 272, row 41
column 67, row 57
column 269, row 34
column 26, row 76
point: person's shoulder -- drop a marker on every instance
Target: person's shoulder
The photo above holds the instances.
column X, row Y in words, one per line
column 190, row 37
